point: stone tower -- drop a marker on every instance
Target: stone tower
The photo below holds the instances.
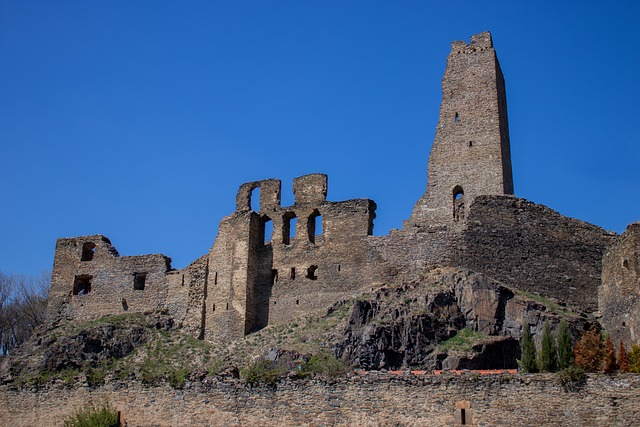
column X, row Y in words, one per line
column 470, row 155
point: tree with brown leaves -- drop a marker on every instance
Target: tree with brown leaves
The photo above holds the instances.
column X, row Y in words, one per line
column 589, row 351
column 623, row 358
column 610, row 365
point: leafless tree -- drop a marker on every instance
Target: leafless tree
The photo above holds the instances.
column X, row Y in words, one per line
column 23, row 302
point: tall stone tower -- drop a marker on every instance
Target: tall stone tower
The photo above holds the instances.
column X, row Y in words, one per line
column 470, row 155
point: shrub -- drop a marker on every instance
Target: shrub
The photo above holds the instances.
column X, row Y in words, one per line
column 325, row 364
column 634, row 359
column 177, row 378
column 589, row 351
column 623, row 358
column 104, row 415
column 565, row 348
column 262, row 372
column 572, row 378
column 547, row 358
column 528, row 351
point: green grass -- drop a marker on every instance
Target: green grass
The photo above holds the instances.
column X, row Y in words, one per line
column 104, row 415
column 462, row 342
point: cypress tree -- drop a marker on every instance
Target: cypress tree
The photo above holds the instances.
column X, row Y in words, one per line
column 610, row 364
column 528, row 351
column 634, row 359
column 565, row 348
column 623, row 358
column 548, row 357
column 589, row 351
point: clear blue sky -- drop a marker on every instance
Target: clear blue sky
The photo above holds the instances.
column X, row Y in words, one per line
column 139, row 119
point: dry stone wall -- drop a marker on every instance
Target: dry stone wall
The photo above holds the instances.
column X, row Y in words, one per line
column 370, row 400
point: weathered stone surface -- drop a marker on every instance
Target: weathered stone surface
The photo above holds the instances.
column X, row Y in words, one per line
column 403, row 326
column 619, row 295
column 368, row 400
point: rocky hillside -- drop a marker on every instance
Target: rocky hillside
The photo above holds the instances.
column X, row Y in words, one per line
column 448, row 319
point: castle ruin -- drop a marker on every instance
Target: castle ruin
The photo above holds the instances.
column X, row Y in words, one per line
column 320, row 251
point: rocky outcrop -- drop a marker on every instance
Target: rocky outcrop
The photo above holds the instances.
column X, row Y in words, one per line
column 451, row 320
column 84, row 345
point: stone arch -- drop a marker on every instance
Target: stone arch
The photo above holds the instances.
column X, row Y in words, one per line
column 458, row 202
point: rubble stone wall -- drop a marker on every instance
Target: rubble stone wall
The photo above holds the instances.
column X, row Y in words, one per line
column 371, row 400
column 534, row 248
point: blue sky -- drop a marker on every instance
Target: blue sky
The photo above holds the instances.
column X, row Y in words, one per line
column 140, row 119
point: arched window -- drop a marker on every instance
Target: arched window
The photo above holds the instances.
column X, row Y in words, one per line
column 312, row 272
column 267, row 229
column 314, row 226
column 254, row 199
column 458, row 203
column 289, row 224
column 88, row 250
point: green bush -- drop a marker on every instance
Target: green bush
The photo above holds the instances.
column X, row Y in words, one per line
column 324, row 364
column 572, row 378
column 104, row 415
column 177, row 378
column 262, row 372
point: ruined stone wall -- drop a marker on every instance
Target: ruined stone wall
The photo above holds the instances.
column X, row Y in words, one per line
column 314, row 253
column 371, row 400
column 471, row 152
column 619, row 294
column 90, row 279
column 534, row 248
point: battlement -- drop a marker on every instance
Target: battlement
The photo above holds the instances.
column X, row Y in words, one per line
column 478, row 42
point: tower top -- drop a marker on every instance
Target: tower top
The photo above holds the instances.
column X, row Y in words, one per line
column 471, row 153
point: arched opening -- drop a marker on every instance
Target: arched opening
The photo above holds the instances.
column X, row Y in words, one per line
column 457, row 119
column 88, row 251
column 254, row 199
column 266, row 226
column 312, row 272
column 458, row 203
column 314, row 226
column 290, row 222
column 625, row 264
column 82, row 285
column 139, row 280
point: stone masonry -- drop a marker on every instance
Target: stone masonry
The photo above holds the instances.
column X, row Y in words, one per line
column 272, row 264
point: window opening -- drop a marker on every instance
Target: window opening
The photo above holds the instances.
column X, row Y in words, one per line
column 82, row 285
column 297, row 302
column 267, row 229
column 213, row 308
column 139, row 280
column 458, row 203
column 227, row 308
column 215, row 278
column 274, row 276
column 470, row 143
column 338, row 267
column 88, row 251
column 312, row 272
column 293, row 273
column 125, row 306
column 289, row 227
column 254, row 199
column 314, row 226
column 625, row 264
column 457, row 118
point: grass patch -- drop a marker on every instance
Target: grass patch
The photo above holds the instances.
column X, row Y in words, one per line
column 104, row 415
column 462, row 342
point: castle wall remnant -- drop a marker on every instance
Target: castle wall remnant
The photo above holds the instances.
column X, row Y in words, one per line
column 471, row 154
column 270, row 264
column 619, row 295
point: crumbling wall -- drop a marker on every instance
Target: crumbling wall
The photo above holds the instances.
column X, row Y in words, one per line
column 90, row 279
column 619, row 294
column 534, row 248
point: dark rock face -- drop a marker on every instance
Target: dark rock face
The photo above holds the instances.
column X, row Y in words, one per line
column 404, row 326
column 93, row 345
column 53, row 350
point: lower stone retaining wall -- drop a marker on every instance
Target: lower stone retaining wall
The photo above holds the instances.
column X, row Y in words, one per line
column 361, row 400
